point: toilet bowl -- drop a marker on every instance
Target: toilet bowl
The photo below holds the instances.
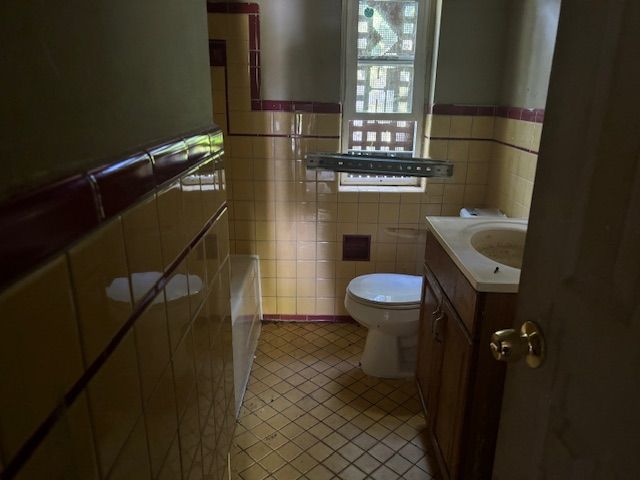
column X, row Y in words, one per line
column 388, row 304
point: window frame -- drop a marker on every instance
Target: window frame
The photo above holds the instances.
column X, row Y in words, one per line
column 421, row 82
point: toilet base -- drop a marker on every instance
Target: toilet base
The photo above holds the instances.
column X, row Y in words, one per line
column 389, row 356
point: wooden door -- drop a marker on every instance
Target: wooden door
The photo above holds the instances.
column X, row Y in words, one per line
column 451, row 395
column 577, row 416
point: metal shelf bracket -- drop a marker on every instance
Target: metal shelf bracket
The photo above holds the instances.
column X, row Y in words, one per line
column 379, row 164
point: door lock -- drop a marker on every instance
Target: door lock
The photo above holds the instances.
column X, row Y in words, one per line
column 510, row 345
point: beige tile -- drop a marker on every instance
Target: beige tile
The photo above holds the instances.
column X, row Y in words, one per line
column 161, row 423
column 305, row 287
column 286, row 268
column 327, row 124
column 68, row 447
column 36, row 368
column 286, row 305
column 142, row 244
column 192, row 204
column 283, row 123
column 133, row 461
column 114, row 397
column 306, row 269
column 285, row 250
column 286, row 287
column 183, row 372
column 172, row 231
column 482, row 127
column 306, row 306
column 177, row 303
column 347, row 212
column 101, row 284
column 152, row 342
column 367, row 213
column 325, row 269
column 440, row 126
column 171, row 469
column 306, row 250
column 389, row 212
column 327, row 250
column 461, row 126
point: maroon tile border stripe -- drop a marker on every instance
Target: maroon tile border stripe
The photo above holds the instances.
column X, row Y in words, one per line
column 308, row 318
column 516, row 113
column 218, row 58
column 36, row 225
column 232, row 7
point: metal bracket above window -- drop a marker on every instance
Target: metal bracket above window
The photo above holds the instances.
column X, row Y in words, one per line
column 379, row 164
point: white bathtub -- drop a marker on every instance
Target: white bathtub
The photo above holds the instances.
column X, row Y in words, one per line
column 246, row 312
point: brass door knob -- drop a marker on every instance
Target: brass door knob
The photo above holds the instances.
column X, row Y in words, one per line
column 510, row 345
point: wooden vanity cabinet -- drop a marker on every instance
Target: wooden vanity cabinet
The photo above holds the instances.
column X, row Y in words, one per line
column 459, row 381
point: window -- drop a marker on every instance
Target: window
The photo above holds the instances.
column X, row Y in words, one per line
column 385, row 70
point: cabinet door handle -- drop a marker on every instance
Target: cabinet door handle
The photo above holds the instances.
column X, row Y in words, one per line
column 435, row 314
column 435, row 327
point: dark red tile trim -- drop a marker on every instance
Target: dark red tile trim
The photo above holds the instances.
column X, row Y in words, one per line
column 122, row 183
column 232, row 7
column 517, row 113
column 39, row 224
column 308, row 318
column 169, row 160
column 198, row 147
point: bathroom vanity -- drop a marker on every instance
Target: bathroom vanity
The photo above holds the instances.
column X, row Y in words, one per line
column 466, row 297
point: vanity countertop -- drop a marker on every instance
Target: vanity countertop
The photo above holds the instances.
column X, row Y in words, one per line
column 484, row 274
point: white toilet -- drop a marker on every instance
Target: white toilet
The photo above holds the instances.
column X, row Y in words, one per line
column 388, row 304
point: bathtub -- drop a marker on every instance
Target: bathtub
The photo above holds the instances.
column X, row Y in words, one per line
column 246, row 313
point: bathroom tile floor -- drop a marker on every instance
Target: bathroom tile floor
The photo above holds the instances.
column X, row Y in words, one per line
column 310, row 413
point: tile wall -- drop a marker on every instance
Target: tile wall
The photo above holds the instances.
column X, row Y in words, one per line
column 495, row 147
column 115, row 356
column 294, row 219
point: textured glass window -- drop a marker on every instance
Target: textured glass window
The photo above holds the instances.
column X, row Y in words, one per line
column 384, row 26
column 386, row 51
column 381, row 135
column 382, row 70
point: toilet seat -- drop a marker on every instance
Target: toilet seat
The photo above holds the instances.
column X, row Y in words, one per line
column 386, row 290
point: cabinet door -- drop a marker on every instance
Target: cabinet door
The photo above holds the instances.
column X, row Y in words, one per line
column 429, row 352
column 451, row 397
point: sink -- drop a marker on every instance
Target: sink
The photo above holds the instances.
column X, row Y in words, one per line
column 502, row 245
column 478, row 245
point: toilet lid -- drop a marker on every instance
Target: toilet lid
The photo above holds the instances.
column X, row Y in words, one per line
column 387, row 288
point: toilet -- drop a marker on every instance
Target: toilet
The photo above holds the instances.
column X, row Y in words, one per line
column 388, row 304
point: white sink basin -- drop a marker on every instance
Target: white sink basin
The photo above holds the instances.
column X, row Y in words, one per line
column 487, row 251
column 504, row 246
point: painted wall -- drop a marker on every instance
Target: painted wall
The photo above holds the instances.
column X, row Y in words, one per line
column 471, row 52
column 88, row 81
column 302, row 60
column 531, row 40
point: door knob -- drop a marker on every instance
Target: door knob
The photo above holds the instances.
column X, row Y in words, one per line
column 511, row 345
